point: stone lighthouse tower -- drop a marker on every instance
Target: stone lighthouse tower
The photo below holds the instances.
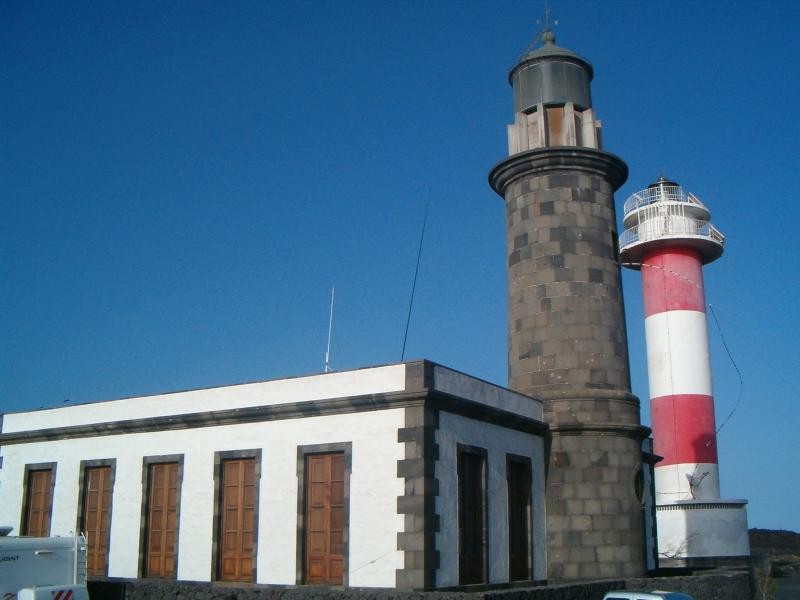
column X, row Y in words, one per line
column 566, row 330
column 669, row 238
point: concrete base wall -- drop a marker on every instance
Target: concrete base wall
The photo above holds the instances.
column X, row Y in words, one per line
column 692, row 530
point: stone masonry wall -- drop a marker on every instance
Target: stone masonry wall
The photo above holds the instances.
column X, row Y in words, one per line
column 568, row 346
column 713, row 586
column 594, row 519
column 566, row 320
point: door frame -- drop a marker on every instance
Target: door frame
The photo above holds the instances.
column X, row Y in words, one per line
column 219, row 457
column 483, row 494
column 143, row 530
column 302, row 452
column 24, row 525
column 526, row 463
column 90, row 464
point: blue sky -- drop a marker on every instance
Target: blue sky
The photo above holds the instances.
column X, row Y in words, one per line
column 182, row 184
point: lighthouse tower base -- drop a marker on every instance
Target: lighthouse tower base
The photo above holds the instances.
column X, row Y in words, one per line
column 702, row 534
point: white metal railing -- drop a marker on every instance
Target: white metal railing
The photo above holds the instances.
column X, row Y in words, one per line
column 661, row 193
column 665, row 227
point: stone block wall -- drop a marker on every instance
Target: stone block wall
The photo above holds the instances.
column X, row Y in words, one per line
column 593, row 514
column 734, row 585
column 713, row 585
column 567, row 345
column 565, row 313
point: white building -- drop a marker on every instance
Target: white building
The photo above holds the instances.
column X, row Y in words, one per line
column 409, row 475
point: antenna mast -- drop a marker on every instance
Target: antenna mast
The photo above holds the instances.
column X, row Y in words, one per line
column 330, row 327
column 542, row 36
column 546, row 15
column 416, row 272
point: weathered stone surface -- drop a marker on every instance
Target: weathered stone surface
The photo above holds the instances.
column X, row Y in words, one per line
column 734, row 585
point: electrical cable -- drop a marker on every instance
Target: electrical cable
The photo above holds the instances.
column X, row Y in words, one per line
column 416, row 272
column 735, row 366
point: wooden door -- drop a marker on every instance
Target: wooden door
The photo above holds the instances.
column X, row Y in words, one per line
column 96, row 518
column 519, row 503
column 162, row 513
column 324, row 519
column 471, row 519
column 237, row 522
column 39, row 503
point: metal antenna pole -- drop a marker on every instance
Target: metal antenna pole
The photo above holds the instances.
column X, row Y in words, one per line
column 546, row 14
column 330, row 328
column 540, row 36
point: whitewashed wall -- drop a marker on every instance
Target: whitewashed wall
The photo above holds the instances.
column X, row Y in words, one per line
column 498, row 442
column 375, row 380
column 373, row 557
column 374, row 487
column 700, row 530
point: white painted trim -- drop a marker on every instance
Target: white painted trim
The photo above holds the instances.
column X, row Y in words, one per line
column 677, row 353
column 672, row 483
column 375, row 380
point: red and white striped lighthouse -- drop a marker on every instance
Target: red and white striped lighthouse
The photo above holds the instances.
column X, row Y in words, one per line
column 669, row 238
column 681, row 403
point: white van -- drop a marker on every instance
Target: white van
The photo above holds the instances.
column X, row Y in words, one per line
column 33, row 568
column 654, row 595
